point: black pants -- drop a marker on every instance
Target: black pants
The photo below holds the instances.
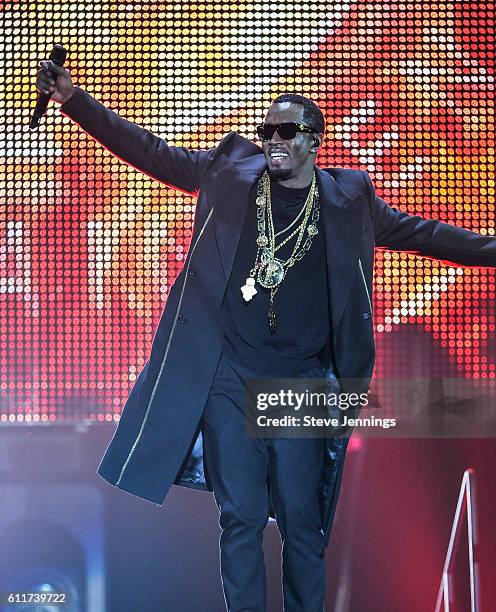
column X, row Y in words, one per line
column 244, row 472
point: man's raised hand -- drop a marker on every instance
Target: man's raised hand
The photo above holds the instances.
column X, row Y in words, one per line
column 54, row 80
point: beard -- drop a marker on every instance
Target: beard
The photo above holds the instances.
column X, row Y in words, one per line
column 280, row 174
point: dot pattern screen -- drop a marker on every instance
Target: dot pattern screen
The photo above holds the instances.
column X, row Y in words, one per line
column 90, row 246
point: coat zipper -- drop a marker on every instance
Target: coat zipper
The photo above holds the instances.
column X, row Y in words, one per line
column 366, row 288
column 166, row 352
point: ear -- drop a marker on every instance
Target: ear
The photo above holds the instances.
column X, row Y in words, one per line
column 316, row 142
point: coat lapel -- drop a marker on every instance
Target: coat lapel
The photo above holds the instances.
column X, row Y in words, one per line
column 342, row 231
column 237, row 180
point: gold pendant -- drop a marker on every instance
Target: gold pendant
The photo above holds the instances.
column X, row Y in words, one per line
column 271, row 273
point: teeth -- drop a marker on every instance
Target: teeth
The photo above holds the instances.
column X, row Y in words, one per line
column 278, row 154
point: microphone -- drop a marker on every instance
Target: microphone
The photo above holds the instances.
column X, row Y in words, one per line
column 57, row 56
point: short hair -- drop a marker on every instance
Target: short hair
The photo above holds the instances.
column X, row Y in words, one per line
column 312, row 113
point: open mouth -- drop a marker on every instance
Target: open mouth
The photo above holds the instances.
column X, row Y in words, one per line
column 277, row 157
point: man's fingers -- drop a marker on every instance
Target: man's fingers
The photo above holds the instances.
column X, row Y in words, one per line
column 52, row 66
column 45, row 83
column 46, row 79
column 48, row 74
column 44, row 89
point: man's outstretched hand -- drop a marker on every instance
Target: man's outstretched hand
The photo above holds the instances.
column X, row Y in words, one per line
column 54, row 80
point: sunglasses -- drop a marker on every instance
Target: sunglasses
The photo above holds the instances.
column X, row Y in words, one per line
column 287, row 131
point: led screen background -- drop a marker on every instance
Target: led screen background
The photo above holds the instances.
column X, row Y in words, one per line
column 90, row 246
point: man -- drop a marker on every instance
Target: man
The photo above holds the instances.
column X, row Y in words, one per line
column 277, row 283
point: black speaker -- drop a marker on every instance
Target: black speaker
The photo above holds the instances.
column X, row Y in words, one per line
column 51, row 520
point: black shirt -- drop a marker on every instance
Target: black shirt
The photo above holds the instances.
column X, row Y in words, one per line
column 301, row 303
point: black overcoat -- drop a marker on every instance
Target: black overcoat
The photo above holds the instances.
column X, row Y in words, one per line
column 158, row 441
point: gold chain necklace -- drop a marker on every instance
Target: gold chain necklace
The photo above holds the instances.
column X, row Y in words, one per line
column 292, row 223
column 268, row 270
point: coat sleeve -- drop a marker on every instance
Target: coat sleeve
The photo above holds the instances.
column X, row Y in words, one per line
column 399, row 231
column 177, row 167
